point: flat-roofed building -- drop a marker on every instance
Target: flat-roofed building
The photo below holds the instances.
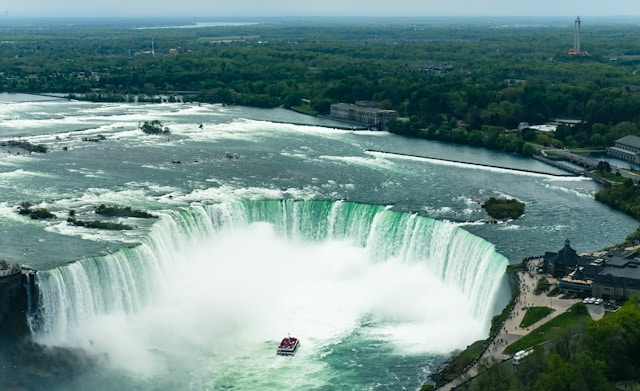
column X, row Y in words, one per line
column 620, row 277
column 626, row 148
column 614, row 274
column 363, row 113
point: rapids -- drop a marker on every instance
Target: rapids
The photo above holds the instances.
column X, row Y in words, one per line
column 270, row 223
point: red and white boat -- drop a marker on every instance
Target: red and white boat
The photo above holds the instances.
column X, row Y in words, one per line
column 288, row 346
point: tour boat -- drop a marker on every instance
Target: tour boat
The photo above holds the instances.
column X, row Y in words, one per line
column 288, row 346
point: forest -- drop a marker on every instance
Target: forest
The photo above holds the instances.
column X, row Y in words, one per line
column 585, row 356
column 470, row 81
column 462, row 80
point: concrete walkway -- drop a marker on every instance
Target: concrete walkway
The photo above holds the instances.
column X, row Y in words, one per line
column 511, row 330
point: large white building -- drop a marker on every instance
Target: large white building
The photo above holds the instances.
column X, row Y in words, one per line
column 626, row 148
column 363, row 113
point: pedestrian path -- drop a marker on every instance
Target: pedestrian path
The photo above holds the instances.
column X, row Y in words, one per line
column 511, row 331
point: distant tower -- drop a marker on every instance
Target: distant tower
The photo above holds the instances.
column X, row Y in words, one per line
column 576, row 36
column 153, row 49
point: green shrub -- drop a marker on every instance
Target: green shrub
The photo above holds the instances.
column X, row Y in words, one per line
column 99, row 224
column 154, row 127
column 117, row 211
column 42, row 213
column 502, row 208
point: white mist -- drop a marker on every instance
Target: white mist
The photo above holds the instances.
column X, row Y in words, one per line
column 229, row 296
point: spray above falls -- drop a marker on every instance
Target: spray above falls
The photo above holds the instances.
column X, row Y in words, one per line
column 215, row 277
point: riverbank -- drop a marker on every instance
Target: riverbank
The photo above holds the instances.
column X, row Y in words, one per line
column 323, row 164
column 511, row 330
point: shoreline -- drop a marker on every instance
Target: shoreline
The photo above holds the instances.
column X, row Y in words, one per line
column 510, row 330
column 511, row 306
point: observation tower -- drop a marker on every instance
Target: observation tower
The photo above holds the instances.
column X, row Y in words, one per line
column 575, row 50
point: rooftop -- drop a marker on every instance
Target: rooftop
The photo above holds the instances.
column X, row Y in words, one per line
column 630, row 140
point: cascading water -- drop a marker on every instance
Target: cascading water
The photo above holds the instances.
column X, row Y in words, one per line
column 212, row 287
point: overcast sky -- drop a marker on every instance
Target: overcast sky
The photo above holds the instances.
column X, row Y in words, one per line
column 256, row 8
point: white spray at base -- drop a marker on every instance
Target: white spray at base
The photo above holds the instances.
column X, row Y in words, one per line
column 213, row 289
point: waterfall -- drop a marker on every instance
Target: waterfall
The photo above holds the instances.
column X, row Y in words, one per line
column 457, row 256
column 131, row 279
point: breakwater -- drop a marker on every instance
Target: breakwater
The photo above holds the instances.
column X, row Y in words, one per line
column 468, row 163
column 347, row 126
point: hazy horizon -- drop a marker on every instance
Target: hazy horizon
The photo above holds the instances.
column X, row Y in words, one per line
column 328, row 8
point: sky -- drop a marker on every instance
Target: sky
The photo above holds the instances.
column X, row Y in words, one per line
column 271, row 8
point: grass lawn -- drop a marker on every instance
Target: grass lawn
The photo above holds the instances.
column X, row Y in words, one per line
column 546, row 332
column 304, row 110
column 534, row 314
column 610, row 176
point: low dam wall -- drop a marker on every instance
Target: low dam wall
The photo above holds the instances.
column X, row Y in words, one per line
column 471, row 163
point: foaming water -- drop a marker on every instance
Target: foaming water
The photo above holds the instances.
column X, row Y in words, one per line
column 378, row 345
column 214, row 288
column 459, row 164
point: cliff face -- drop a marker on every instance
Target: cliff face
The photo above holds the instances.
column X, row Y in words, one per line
column 13, row 306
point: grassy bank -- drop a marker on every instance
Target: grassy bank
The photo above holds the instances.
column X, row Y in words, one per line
column 459, row 363
column 534, row 314
column 574, row 318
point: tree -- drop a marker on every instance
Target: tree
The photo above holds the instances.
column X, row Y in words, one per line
column 322, row 106
column 293, row 99
column 615, row 340
column 590, row 374
column 494, row 376
column 529, row 135
column 562, row 132
column 603, row 166
column 154, row 127
column 558, row 376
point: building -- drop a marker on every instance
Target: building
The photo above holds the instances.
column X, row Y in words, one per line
column 626, row 148
column 550, row 126
column 614, row 275
column 546, row 128
column 575, row 273
column 561, row 263
column 582, row 278
column 568, row 122
column 620, row 277
column 366, row 113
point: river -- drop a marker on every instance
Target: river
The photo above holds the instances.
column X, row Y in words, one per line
column 381, row 264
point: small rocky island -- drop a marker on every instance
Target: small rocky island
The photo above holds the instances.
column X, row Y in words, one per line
column 154, row 127
column 40, row 148
column 503, row 208
column 26, row 208
column 109, row 211
column 118, row 211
